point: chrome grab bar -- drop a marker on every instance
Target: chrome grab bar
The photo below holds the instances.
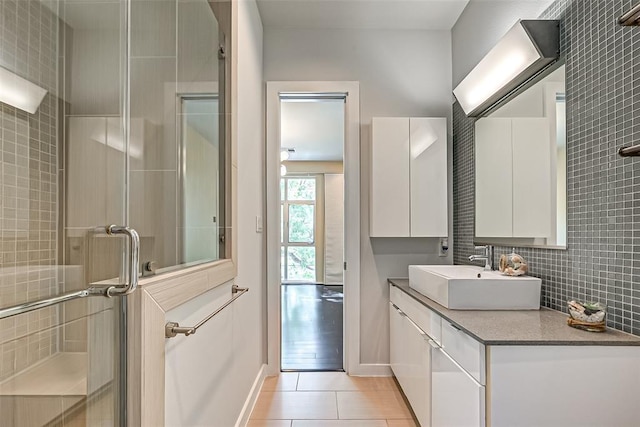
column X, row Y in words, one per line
column 134, row 248
column 172, row 329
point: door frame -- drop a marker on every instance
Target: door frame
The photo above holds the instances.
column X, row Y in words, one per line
column 351, row 339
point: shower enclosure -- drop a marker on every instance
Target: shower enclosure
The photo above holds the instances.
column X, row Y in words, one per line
column 128, row 133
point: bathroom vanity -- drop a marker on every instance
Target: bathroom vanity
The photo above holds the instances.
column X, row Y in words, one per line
column 509, row 368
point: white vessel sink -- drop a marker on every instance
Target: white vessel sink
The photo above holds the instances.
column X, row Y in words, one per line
column 465, row 287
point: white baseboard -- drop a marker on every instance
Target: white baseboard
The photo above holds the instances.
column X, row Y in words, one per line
column 243, row 418
column 371, row 370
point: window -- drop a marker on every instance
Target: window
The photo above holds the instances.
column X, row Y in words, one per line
column 298, row 228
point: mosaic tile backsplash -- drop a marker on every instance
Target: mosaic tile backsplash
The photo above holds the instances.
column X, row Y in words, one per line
column 28, row 186
column 602, row 260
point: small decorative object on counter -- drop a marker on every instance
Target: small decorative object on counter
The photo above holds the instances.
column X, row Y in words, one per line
column 513, row 264
column 587, row 316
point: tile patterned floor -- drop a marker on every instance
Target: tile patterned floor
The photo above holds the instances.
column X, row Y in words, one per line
column 330, row 399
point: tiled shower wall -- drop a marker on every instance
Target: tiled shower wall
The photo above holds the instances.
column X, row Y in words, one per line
column 28, row 189
column 602, row 260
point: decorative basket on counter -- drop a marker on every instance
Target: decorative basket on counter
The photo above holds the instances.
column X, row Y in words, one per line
column 587, row 316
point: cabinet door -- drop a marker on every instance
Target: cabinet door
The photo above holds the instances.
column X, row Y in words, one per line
column 428, row 170
column 457, row 400
column 494, row 179
column 396, row 341
column 418, row 380
column 389, row 195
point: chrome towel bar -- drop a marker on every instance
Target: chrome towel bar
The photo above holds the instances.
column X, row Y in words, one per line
column 631, row 151
column 172, row 329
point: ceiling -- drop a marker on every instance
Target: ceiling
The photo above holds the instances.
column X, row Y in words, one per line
column 315, row 129
column 361, row 14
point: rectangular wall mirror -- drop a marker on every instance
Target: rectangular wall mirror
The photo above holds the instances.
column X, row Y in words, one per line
column 521, row 168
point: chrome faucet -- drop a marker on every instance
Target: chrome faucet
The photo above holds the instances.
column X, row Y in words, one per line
column 487, row 256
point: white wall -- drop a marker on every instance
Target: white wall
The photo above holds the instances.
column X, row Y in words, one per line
column 482, row 24
column 401, row 73
column 249, row 343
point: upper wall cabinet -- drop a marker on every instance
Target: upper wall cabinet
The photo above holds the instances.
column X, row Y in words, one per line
column 408, row 177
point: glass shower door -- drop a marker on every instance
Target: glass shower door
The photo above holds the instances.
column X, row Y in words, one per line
column 64, row 170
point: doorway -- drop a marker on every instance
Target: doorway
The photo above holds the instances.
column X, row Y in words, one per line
column 312, row 227
column 312, row 234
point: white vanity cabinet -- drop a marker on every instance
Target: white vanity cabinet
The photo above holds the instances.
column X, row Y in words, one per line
column 408, row 196
column 441, row 392
column 451, row 379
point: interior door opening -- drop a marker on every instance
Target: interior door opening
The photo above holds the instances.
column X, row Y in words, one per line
column 312, row 134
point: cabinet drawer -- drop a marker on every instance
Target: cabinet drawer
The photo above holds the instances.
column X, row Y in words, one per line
column 426, row 319
column 469, row 353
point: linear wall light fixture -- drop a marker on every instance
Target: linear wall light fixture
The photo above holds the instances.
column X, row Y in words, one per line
column 527, row 48
column 20, row 93
column 631, row 18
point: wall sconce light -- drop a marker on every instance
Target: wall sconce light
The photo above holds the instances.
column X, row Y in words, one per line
column 527, row 48
column 20, row 93
column 283, row 170
column 284, row 155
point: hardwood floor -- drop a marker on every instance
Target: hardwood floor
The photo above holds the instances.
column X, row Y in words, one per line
column 330, row 399
column 312, row 327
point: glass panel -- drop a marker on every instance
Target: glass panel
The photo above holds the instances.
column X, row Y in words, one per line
column 301, row 189
column 63, row 174
column 301, row 263
column 175, row 200
column 200, row 178
column 301, row 223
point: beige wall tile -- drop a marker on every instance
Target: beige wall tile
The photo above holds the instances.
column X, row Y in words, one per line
column 153, row 28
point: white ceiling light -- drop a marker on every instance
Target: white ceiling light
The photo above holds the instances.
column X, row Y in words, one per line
column 20, row 93
column 527, row 48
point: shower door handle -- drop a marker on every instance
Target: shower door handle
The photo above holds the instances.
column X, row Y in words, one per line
column 134, row 259
column 111, row 291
